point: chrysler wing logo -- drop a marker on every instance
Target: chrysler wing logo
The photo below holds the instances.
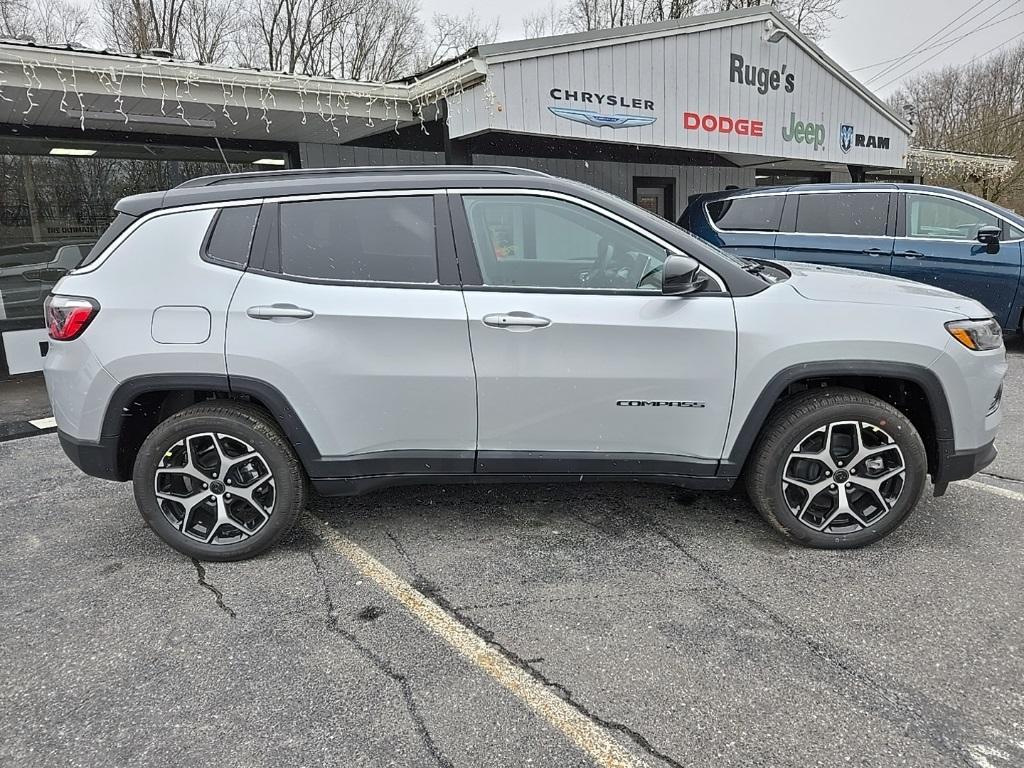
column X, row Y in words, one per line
column 845, row 137
column 601, row 121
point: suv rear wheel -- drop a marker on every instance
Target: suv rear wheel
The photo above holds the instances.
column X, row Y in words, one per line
column 837, row 468
column 219, row 482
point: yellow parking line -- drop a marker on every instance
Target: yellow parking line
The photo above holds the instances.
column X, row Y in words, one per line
column 994, row 489
column 592, row 738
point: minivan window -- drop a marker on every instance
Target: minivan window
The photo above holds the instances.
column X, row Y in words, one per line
column 843, row 213
column 944, row 219
column 231, row 236
column 386, row 239
column 757, row 213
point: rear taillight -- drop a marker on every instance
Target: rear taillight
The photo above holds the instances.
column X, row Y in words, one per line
column 68, row 316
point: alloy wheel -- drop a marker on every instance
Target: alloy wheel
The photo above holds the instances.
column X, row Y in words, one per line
column 214, row 488
column 844, row 477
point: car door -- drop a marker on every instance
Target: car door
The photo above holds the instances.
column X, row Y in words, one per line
column 938, row 246
column 21, row 293
column 347, row 318
column 579, row 370
column 850, row 228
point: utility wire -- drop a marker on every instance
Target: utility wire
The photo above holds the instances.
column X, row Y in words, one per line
column 916, row 50
column 933, row 46
column 918, row 66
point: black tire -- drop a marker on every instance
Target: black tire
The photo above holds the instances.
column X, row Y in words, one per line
column 789, row 426
column 241, row 424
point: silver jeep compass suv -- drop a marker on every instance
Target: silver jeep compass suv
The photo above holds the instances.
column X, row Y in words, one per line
column 233, row 340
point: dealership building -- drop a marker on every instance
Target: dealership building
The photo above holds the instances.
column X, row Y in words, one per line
column 654, row 113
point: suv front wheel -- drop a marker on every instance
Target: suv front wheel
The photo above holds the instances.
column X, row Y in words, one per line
column 219, row 481
column 837, row 468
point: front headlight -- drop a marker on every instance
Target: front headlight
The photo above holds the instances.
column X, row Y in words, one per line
column 978, row 335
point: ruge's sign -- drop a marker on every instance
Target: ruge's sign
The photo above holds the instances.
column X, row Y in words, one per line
column 719, row 90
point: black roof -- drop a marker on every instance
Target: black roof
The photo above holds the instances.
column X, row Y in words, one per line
column 313, row 181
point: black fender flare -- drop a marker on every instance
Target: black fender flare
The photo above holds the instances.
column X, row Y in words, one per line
column 924, row 377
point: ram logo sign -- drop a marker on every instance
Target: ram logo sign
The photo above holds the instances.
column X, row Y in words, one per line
column 601, row 121
column 845, row 137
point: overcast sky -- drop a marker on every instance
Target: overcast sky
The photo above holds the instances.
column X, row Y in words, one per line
column 869, row 32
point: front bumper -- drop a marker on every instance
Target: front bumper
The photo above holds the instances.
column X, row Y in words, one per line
column 952, row 465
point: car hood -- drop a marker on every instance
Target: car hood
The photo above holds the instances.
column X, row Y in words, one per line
column 824, row 283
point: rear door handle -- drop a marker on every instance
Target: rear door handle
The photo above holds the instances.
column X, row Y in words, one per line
column 278, row 311
column 875, row 252
column 516, row 320
column 911, row 254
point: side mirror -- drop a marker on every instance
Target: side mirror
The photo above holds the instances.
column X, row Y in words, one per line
column 681, row 275
column 989, row 236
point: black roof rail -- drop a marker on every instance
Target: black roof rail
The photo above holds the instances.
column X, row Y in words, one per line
column 313, row 173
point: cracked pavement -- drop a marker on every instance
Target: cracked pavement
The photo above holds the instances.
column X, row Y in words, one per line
column 678, row 621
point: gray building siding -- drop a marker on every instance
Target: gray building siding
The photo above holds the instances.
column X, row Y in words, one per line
column 617, row 178
column 344, row 156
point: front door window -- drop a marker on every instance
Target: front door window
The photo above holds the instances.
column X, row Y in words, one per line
column 538, row 242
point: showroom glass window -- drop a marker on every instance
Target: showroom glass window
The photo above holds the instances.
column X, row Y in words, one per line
column 54, row 207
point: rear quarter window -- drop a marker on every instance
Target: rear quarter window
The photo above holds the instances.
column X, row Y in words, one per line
column 230, row 237
column 757, row 213
column 110, row 234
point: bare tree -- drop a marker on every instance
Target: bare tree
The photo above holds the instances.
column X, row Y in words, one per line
column 812, row 17
column 52, row 21
column 451, row 35
column 138, row 25
column 209, row 28
column 380, row 41
column 977, row 109
column 550, row 21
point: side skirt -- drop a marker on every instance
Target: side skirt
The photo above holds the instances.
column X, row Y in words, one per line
column 353, row 486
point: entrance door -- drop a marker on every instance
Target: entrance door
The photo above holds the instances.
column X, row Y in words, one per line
column 582, row 364
column 655, row 194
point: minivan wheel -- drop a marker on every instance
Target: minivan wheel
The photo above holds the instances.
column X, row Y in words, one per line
column 837, row 468
column 219, row 482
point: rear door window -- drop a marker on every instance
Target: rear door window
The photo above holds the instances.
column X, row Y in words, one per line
column 843, row 213
column 377, row 239
column 757, row 213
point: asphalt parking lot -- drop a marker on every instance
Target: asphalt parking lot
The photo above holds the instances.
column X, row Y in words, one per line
column 547, row 625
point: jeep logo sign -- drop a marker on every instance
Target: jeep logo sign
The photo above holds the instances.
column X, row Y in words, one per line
column 804, row 133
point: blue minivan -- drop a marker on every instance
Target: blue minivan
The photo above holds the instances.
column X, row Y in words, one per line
column 931, row 235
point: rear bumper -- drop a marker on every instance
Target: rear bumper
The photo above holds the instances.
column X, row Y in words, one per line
column 98, row 459
column 959, row 465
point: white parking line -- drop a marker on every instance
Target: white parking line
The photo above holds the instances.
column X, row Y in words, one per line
column 592, row 738
column 993, row 489
column 48, row 423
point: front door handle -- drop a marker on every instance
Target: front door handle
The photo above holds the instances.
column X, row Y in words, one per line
column 911, row 254
column 278, row 311
column 875, row 252
column 523, row 320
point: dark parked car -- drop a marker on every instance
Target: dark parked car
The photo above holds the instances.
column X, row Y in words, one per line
column 931, row 235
